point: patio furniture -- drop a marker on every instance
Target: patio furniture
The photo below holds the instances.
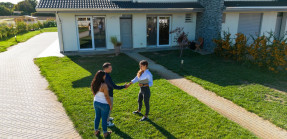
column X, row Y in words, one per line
column 199, row 44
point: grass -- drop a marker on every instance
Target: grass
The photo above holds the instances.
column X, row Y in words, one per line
column 6, row 43
column 174, row 113
column 258, row 91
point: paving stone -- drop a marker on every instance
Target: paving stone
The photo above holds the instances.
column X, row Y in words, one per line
column 27, row 109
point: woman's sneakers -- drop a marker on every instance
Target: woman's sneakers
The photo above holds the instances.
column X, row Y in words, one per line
column 137, row 112
column 97, row 133
column 144, row 118
column 110, row 124
column 111, row 119
column 107, row 134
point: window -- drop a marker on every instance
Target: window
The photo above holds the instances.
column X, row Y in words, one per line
column 188, row 18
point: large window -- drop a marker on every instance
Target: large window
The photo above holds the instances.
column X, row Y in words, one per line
column 91, row 32
column 99, row 32
column 158, row 28
column 84, row 29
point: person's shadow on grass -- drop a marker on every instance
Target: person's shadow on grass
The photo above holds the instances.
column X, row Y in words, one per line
column 120, row 133
column 162, row 130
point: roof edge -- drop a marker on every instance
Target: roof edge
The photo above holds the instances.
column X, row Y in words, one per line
column 256, row 9
column 124, row 10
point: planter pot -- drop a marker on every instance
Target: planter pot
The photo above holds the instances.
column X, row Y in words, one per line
column 117, row 50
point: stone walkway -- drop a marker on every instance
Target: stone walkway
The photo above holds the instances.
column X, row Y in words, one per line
column 260, row 127
column 27, row 108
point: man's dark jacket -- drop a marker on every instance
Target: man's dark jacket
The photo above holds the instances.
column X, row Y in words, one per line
column 112, row 85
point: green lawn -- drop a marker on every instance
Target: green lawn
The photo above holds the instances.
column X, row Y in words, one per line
column 244, row 84
column 4, row 44
column 174, row 113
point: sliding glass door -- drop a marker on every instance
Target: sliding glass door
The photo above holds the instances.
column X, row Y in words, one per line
column 158, row 28
column 152, row 31
column 84, row 32
column 99, row 32
column 91, row 32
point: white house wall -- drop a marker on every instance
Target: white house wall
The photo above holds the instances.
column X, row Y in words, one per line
column 70, row 28
column 268, row 22
column 70, row 38
column 69, row 31
column 231, row 23
column 178, row 20
column 284, row 25
column 139, row 30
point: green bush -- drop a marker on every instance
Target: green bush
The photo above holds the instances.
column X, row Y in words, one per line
column 50, row 23
column 6, row 30
column 269, row 52
column 35, row 26
column 21, row 27
column 40, row 24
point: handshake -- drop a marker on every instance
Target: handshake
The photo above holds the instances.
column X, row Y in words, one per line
column 127, row 85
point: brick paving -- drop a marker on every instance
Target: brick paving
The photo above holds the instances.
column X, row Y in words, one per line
column 260, row 127
column 27, row 108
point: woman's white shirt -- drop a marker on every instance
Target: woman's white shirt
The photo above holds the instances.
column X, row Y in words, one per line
column 100, row 97
column 144, row 76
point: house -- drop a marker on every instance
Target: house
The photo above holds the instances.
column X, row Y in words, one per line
column 253, row 18
column 87, row 25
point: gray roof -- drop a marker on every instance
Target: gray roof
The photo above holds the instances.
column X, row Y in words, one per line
column 107, row 4
column 255, row 3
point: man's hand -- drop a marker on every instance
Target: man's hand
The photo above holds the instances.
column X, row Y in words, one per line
column 127, row 85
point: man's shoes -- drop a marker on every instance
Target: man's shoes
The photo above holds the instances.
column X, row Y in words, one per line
column 110, row 124
column 144, row 119
column 137, row 112
column 111, row 119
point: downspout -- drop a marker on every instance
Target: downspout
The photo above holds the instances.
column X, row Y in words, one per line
column 61, row 32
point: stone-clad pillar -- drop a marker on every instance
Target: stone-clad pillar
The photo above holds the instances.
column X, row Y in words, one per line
column 209, row 22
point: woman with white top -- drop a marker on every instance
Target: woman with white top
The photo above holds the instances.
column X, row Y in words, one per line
column 102, row 102
column 145, row 79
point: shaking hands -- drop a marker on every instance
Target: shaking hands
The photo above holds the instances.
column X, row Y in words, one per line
column 127, row 85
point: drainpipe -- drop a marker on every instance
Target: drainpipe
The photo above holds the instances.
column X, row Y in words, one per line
column 61, row 33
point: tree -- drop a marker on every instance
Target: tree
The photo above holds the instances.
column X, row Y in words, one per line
column 27, row 6
column 4, row 11
column 6, row 8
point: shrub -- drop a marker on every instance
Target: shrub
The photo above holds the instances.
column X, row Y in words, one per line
column 40, row 24
column 21, row 27
column 269, row 52
column 6, row 30
column 35, row 26
column 224, row 44
column 50, row 22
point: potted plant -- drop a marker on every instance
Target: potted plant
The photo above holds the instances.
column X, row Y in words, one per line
column 117, row 45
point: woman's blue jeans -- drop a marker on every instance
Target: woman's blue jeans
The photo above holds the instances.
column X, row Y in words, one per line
column 102, row 111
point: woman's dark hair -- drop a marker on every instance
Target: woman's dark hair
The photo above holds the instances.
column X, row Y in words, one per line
column 143, row 63
column 97, row 81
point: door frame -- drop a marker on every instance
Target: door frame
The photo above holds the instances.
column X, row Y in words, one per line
column 78, row 34
column 169, row 35
column 105, row 47
column 92, row 32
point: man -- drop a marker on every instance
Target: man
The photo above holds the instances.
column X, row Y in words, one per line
column 107, row 67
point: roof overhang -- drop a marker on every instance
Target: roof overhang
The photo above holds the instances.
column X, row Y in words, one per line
column 120, row 10
column 257, row 9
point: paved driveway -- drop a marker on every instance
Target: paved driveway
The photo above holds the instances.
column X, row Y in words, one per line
column 27, row 108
